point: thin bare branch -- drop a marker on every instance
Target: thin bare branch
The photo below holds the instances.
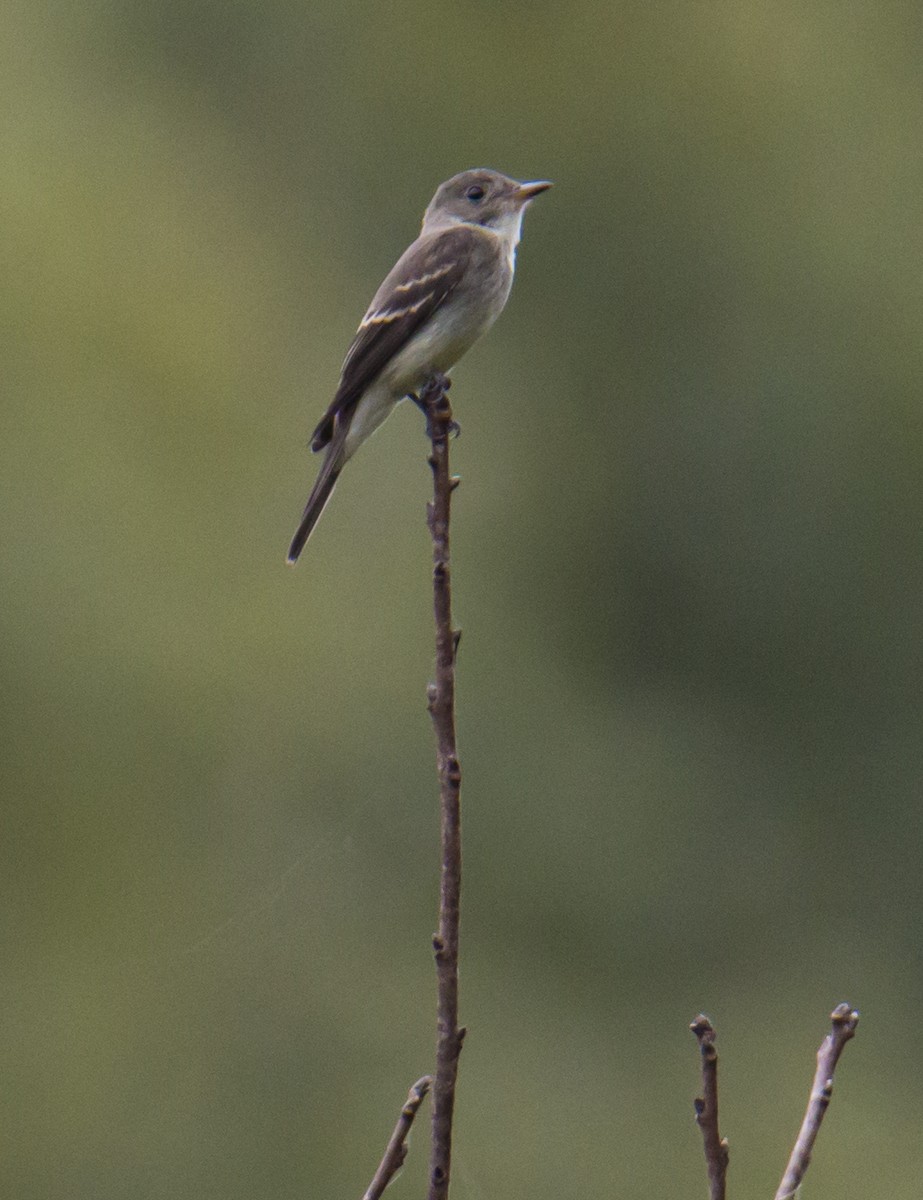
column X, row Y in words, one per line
column 397, row 1147
column 706, row 1109
column 441, row 696
column 845, row 1020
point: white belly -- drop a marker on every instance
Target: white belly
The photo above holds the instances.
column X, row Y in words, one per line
column 437, row 347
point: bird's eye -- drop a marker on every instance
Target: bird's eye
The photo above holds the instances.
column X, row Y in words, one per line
column 475, row 192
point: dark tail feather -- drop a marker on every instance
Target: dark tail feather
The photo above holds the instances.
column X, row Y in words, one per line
column 317, row 502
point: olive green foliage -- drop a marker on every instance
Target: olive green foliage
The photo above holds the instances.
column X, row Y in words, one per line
column 687, row 566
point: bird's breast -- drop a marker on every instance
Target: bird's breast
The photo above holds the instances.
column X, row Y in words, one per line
column 449, row 333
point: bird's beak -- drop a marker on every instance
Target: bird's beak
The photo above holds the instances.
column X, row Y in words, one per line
column 528, row 191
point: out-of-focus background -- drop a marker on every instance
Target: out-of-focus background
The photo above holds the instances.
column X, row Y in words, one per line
column 687, row 554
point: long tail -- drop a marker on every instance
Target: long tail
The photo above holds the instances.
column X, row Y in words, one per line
column 320, row 494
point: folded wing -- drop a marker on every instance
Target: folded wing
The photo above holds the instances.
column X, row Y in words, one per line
column 419, row 283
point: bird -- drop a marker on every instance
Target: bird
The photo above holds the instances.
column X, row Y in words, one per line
column 442, row 294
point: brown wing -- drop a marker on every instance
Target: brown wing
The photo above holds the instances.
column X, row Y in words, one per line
column 422, row 279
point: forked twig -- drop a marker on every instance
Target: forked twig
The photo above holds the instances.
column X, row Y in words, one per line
column 706, row 1109
column 845, row 1020
column 396, row 1151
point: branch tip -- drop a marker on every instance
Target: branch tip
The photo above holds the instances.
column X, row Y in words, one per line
column 706, row 1109
column 844, row 1021
column 396, row 1150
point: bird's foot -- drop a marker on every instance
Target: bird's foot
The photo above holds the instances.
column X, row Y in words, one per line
column 433, row 403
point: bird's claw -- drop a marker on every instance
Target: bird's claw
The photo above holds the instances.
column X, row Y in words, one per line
column 436, row 387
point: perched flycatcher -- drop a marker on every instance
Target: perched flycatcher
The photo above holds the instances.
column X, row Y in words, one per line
column 442, row 293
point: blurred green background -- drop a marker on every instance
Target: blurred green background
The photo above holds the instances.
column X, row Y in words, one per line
column 687, row 554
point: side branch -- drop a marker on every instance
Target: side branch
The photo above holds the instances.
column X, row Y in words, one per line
column 397, row 1146
column 706, row 1109
column 434, row 402
column 845, row 1020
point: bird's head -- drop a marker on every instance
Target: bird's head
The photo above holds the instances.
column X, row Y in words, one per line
column 482, row 197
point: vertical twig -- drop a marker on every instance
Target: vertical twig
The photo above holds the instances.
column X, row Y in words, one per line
column 396, row 1150
column 706, row 1109
column 441, row 697
column 845, row 1020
